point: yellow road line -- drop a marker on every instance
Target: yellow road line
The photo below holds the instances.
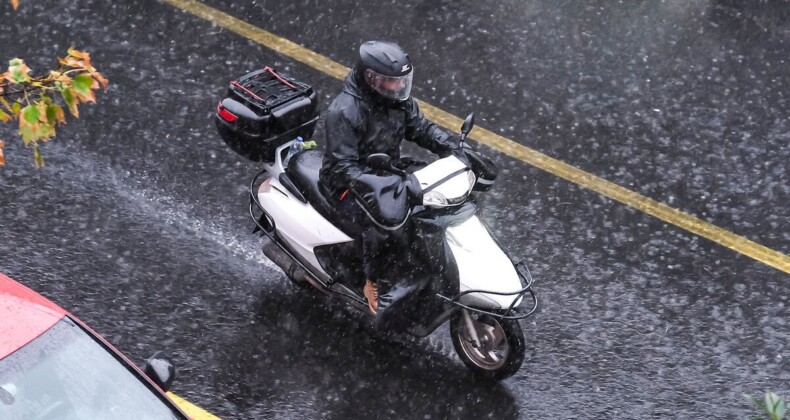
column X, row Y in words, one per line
column 194, row 412
column 509, row 147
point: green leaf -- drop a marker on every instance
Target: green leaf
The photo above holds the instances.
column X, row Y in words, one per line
column 82, row 84
column 68, row 96
column 31, row 114
column 14, row 62
column 760, row 405
column 52, row 113
column 757, row 403
column 18, row 76
column 781, row 410
column 776, row 406
column 55, row 114
column 71, row 101
column 16, row 108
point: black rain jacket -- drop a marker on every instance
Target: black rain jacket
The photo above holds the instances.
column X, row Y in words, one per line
column 359, row 123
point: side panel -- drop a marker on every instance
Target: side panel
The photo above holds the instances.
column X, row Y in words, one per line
column 482, row 265
column 298, row 223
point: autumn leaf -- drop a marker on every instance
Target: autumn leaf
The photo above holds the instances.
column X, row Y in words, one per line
column 5, row 104
column 2, row 157
column 29, row 133
column 29, row 128
column 46, row 131
column 71, row 62
column 32, row 133
column 43, row 118
column 15, row 4
column 71, row 101
column 55, row 114
column 101, row 79
column 77, row 59
column 18, row 71
column 32, row 100
column 82, row 85
column 33, row 125
column 81, row 55
column 90, row 97
column 61, row 78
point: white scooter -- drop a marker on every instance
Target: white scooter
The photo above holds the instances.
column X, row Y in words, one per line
column 291, row 209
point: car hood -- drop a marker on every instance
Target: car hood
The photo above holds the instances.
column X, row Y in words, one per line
column 24, row 315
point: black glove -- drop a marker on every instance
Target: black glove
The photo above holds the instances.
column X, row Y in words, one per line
column 461, row 154
column 409, row 164
column 454, row 141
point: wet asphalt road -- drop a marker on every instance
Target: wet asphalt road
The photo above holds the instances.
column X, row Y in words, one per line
column 138, row 224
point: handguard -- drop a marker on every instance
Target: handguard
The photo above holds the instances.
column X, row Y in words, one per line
column 385, row 198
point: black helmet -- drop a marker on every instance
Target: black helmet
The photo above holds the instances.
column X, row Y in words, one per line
column 386, row 69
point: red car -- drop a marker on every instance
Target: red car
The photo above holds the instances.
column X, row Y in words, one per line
column 52, row 366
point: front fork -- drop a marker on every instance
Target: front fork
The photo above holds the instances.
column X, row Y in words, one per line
column 470, row 326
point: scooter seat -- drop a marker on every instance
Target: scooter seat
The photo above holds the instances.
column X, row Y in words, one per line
column 303, row 170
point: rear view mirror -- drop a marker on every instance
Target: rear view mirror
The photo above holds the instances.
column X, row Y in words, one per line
column 8, row 394
column 469, row 123
column 379, row 161
column 160, row 369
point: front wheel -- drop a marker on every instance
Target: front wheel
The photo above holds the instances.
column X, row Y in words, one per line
column 501, row 350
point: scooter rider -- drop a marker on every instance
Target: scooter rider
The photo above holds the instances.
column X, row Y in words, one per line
column 373, row 114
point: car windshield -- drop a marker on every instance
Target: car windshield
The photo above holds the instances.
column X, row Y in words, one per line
column 66, row 374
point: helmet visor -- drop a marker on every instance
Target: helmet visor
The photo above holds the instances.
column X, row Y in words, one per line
column 391, row 87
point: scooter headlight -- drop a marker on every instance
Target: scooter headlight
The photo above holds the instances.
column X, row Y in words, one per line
column 438, row 199
column 435, row 199
column 472, row 180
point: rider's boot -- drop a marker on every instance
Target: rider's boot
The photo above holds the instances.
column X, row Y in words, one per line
column 371, row 292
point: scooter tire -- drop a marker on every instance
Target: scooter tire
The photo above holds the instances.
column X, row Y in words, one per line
column 513, row 337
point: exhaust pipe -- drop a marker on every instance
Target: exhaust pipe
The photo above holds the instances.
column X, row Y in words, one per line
column 293, row 270
column 273, row 252
column 276, row 255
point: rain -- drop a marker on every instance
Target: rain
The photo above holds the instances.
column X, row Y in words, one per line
column 139, row 224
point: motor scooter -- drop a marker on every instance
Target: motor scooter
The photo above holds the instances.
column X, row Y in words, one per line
column 302, row 233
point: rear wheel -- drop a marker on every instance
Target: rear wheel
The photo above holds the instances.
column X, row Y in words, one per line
column 501, row 350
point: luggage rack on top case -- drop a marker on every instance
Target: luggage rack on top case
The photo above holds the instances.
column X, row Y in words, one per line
column 263, row 110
